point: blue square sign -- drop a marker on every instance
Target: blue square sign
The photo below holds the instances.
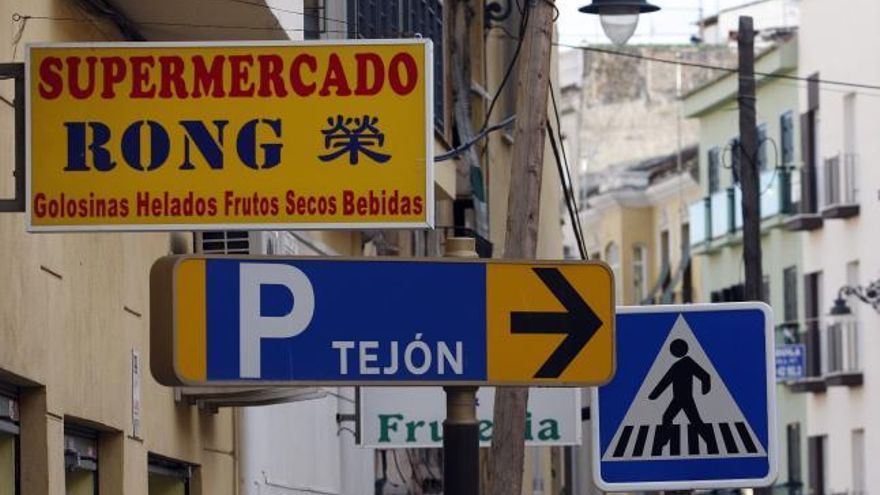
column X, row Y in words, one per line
column 693, row 402
column 791, row 362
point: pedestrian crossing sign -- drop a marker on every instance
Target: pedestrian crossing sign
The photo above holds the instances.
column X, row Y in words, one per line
column 693, row 402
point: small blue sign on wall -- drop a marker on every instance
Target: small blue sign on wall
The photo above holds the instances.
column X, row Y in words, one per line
column 791, row 362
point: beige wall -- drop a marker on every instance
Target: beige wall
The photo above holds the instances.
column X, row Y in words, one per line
column 75, row 308
column 670, row 213
column 629, row 219
column 625, row 227
column 500, row 156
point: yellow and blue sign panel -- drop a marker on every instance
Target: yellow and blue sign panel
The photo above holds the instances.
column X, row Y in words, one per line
column 692, row 404
column 182, row 136
column 227, row 320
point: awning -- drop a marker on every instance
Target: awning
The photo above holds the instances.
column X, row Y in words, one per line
column 176, row 20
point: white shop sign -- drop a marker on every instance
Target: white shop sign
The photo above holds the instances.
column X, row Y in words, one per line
column 396, row 417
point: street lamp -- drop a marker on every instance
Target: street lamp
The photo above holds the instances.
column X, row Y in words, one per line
column 619, row 17
column 868, row 295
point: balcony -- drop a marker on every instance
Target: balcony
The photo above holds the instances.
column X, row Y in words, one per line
column 814, row 380
column 833, row 356
column 840, row 187
column 804, row 202
column 841, row 355
column 717, row 220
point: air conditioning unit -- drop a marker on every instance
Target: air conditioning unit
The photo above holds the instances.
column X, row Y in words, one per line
column 236, row 242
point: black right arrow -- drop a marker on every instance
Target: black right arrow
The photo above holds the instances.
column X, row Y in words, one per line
column 579, row 323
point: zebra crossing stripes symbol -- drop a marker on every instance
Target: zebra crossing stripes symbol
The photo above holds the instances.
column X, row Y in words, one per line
column 694, row 441
column 683, row 410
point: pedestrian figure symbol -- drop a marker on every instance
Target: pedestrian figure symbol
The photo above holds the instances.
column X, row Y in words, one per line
column 683, row 409
column 680, row 377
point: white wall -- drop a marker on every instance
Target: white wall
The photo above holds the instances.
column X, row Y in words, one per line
column 770, row 14
column 829, row 37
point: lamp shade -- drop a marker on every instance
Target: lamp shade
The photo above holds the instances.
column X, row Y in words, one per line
column 608, row 6
column 619, row 17
column 840, row 308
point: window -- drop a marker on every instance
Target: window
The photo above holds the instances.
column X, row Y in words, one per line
column 315, row 19
column 812, row 310
column 665, row 261
column 762, row 148
column 859, row 486
column 687, row 282
column 714, row 174
column 373, row 19
column 735, row 159
column 167, row 477
column 793, row 449
column 9, row 443
column 786, row 126
column 640, row 274
column 818, row 465
column 789, row 289
column 80, row 461
column 612, row 257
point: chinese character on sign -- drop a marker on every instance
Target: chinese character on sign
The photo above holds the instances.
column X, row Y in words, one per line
column 353, row 136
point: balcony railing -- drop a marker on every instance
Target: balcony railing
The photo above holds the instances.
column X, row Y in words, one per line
column 833, row 355
column 841, row 349
column 803, row 204
column 699, row 222
column 840, row 187
column 720, row 214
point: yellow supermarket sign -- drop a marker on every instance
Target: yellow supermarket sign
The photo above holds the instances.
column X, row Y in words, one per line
column 263, row 135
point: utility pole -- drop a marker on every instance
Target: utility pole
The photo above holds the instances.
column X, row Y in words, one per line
column 521, row 240
column 749, row 173
column 461, row 429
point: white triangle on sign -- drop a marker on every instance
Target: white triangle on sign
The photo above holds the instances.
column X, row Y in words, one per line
column 705, row 426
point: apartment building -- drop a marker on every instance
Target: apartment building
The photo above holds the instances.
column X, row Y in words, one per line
column 716, row 218
column 837, row 216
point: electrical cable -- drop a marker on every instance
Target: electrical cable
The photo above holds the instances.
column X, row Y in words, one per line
column 566, row 191
column 731, row 70
column 16, row 17
column 576, row 220
column 486, row 128
column 480, row 135
column 25, row 17
column 287, row 11
column 522, row 34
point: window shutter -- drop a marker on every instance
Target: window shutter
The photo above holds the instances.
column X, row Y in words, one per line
column 761, row 159
column 735, row 159
column 377, row 19
column 789, row 278
column 816, row 454
column 786, row 124
column 714, row 179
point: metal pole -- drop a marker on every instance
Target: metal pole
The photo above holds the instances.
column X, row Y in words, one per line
column 461, row 441
column 749, row 173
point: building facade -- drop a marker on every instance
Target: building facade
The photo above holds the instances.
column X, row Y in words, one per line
column 837, row 217
column 79, row 410
column 637, row 217
column 716, row 219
